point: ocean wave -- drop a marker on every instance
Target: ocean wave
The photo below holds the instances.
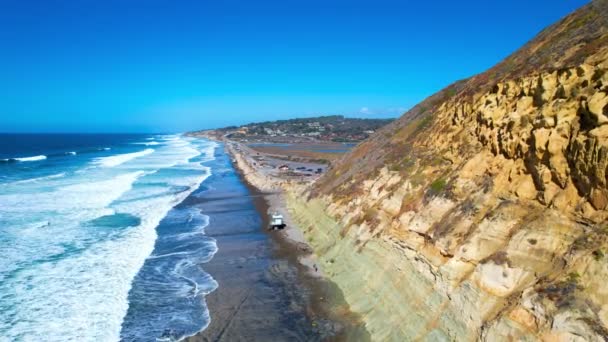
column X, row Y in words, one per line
column 199, row 221
column 25, row 159
column 171, row 138
column 172, row 275
column 150, row 143
column 72, row 199
column 37, row 179
column 169, row 254
column 62, row 154
column 50, row 286
column 36, row 225
column 118, row 159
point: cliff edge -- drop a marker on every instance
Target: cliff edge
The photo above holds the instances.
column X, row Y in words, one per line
column 482, row 213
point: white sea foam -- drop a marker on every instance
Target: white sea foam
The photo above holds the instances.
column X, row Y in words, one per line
column 172, row 138
column 27, row 159
column 210, row 151
column 52, row 291
column 38, row 179
column 200, row 220
column 62, row 281
column 72, row 153
column 118, row 159
column 151, row 143
column 70, row 199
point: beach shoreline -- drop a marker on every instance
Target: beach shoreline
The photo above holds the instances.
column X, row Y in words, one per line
column 327, row 315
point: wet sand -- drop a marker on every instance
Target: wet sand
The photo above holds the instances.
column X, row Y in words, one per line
column 264, row 293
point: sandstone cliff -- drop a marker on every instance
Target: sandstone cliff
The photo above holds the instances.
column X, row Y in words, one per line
column 482, row 212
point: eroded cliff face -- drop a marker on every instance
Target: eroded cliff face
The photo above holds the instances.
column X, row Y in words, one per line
column 485, row 219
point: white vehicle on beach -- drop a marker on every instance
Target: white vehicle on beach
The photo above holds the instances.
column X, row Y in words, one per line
column 276, row 221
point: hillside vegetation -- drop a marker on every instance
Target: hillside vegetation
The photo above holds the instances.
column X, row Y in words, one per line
column 334, row 128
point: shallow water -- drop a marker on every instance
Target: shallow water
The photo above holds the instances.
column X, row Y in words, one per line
column 78, row 220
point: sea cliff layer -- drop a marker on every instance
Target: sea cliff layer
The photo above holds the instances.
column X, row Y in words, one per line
column 481, row 213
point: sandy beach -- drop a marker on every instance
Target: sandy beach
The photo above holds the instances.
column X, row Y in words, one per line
column 269, row 285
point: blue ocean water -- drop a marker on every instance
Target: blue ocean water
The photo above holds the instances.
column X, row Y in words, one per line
column 78, row 221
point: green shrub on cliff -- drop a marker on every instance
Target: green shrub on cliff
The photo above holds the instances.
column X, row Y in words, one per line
column 437, row 186
column 598, row 255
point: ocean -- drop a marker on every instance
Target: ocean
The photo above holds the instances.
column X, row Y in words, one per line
column 93, row 245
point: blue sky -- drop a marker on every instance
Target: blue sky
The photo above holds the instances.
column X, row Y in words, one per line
column 152, row 66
